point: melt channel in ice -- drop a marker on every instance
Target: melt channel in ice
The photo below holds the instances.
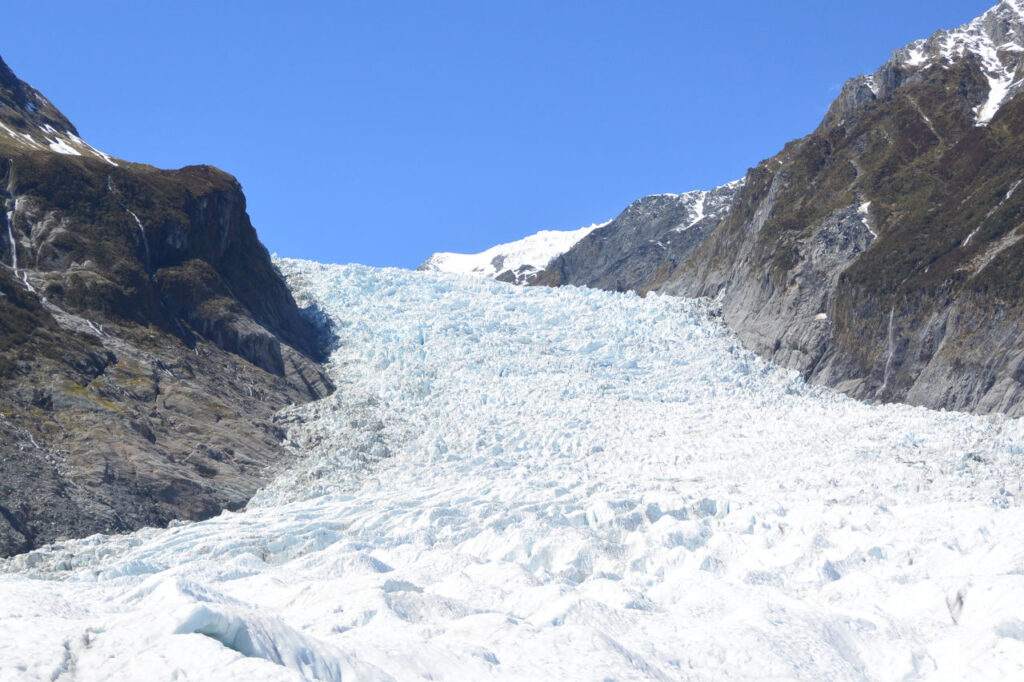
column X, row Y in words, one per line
column 539, row 484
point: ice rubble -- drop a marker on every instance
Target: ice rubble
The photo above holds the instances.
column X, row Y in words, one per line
column 559, row 484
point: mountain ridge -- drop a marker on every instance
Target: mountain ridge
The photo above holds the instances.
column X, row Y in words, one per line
column 517, row 262
column 876, row 254
column 146, row 339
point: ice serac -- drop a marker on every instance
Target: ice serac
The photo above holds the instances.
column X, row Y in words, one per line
column 517, row 262
column 902, row 206
column 146, row 339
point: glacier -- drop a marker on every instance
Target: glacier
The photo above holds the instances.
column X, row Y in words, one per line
column 533, row 484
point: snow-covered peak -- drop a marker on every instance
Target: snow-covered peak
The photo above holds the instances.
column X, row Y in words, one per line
column 517, row 262
column 993, row 44
column 995, row 39
column 692, row 207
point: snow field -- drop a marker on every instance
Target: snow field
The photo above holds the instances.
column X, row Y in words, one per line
column 558, row 484
column 534, row 252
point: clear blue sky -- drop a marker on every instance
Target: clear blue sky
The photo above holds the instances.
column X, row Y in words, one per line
column 380, row 132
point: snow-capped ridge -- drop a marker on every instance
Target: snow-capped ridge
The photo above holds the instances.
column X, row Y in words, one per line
column 704, row 203
column 645, row 242
column 995, row 39
column 517, row 262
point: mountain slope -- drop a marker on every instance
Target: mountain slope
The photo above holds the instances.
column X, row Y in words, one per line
column 880, row 254
column 146, row 340
column 643, row 243
column 29, row 122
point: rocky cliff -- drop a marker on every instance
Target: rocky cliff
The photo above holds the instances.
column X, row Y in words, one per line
column 882, row 253
column 644, row 244
column 146, row 339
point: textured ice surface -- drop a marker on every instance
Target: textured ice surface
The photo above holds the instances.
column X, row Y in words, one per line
column 555, row 484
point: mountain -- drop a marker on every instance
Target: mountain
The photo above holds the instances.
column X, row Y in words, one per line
column 651, row 237
column 517, row 262
column 880, row 254
column 146, row 339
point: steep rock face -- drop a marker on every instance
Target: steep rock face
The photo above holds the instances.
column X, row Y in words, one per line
column 881, row 253
column 645, row 243
column 146, row 339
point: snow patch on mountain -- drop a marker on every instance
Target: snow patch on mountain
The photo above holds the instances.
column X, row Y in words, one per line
column 995, row 39
column 694, row 203
column 59, row 141
column 702, row 203
column 517, row 262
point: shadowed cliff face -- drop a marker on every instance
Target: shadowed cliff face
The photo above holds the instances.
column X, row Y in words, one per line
column 146, row 339
column 882, row 253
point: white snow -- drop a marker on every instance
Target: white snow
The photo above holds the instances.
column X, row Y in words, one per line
column 696, row 200
column 872, row 84
column 915, row 54
column 1016, row 5
column 532, row 253
column 864, row 211
column 21, row 137
column 92, row 150
column 60, row 141
column 62, row 147
column 1009, row 193
column 999, row 82
column 987, row 39
column 537, row 484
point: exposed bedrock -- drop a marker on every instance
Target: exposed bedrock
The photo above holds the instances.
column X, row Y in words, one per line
column 146, row 339
column 881, row 254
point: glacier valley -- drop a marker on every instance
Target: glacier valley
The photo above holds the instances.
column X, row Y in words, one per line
column 558, row 484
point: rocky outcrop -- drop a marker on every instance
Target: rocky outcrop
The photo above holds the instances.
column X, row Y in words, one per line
column 643, row 245
column 881, row 253
column 146, row 339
